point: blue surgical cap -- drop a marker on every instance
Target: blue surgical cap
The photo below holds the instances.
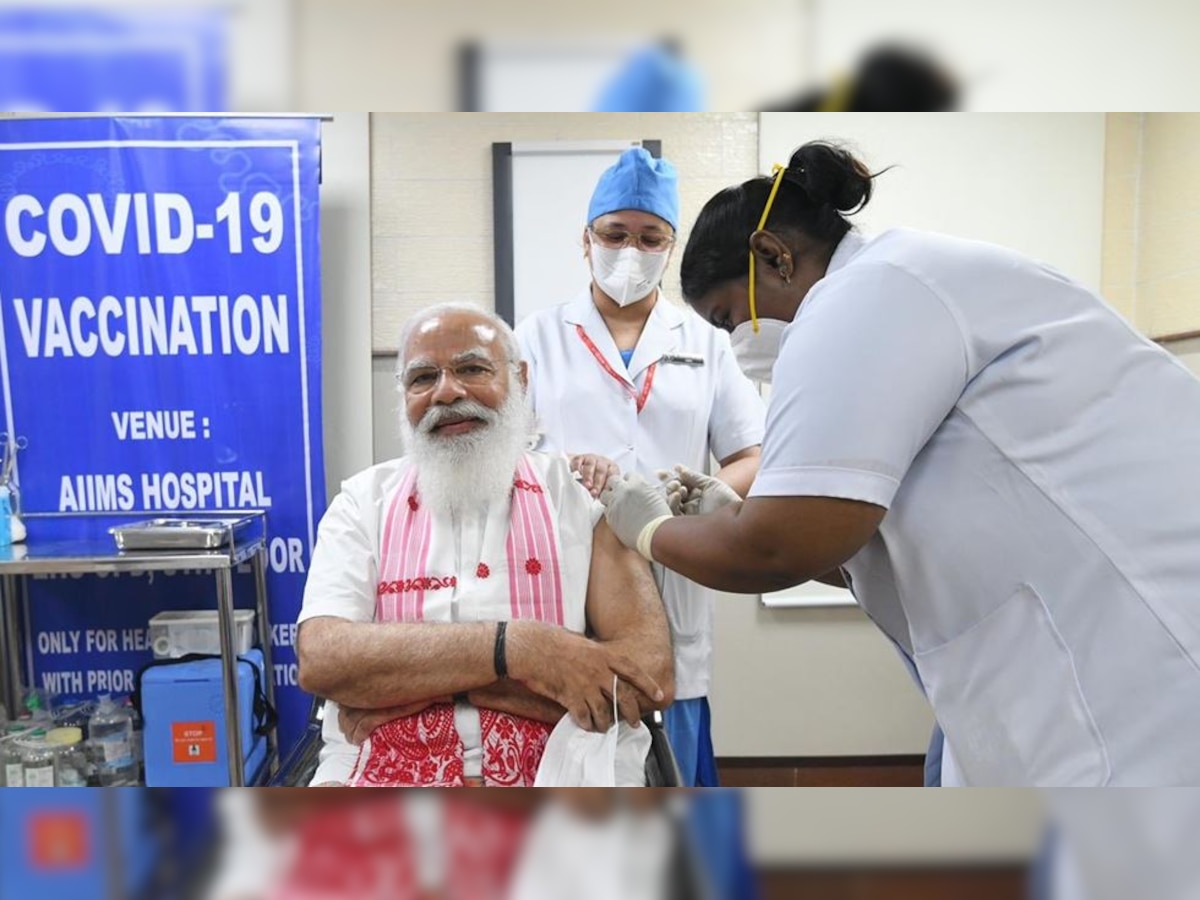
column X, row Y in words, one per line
column 653, row 79
column 637, row 181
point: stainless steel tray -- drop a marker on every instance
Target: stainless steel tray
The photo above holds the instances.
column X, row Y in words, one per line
column 176, row 534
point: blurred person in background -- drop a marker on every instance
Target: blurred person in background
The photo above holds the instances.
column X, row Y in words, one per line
column 450, row 590
column 294, row 844
column 888, row 78
column 654, row 79
column 1002, row 470
column 586, row 844
column 636, row 845
column 623, row 379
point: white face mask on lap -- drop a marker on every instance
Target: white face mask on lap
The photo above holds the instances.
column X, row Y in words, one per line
column 629, row 274
column 756, row 353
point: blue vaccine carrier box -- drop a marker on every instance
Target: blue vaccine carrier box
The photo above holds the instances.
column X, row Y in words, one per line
column 184, row 728
column 86, row 845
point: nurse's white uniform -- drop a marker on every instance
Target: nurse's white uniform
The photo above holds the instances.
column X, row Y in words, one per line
column 1040, row 463
column 689, row 410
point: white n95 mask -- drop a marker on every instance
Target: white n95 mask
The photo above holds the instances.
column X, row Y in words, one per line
column 577, row 758
column 756, row 353
column 629, row 274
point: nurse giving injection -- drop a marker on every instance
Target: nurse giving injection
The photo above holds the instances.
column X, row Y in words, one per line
column 1004, row 473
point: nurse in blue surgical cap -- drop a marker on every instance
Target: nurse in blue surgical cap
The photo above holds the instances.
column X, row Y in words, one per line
column 624, row 380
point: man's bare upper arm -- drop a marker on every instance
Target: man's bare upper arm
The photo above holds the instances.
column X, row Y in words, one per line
column 622, row 599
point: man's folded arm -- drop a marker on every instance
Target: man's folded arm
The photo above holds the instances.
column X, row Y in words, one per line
column 374, row 665
column 516, row 699
column 361, row 664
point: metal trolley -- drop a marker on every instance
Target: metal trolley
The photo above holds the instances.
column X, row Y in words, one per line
column 207, row 543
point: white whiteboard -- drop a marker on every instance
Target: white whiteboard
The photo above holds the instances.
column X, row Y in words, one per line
column 809, row 594
column 541, row 216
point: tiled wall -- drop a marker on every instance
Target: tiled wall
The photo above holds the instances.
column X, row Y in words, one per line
column 432, row 193
column 1152, row 220
column 1168, row 270
column 1122, row 167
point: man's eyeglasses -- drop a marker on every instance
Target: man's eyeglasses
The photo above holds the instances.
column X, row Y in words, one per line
column 649, row 241
column 475, row 373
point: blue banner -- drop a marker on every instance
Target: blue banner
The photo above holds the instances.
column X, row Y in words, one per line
column 160, row 353
column 139, row 59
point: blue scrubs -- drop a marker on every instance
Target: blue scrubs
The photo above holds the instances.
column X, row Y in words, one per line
column 688, row 724
column 716, row 832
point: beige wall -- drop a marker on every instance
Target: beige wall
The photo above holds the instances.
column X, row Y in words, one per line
column 1168, row 268
column 1122, row 172
column 896, row 826
column 1032, row 182
column 1188, row 351
column 387, row 55
column 810, row 682
column 1152, row 220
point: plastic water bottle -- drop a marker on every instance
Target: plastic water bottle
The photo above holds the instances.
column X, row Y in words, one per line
column 110, row 732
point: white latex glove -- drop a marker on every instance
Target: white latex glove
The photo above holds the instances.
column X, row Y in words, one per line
column 634, row 508
column 703, row 493
column 676, row 492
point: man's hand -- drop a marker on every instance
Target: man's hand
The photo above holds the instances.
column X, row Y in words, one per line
column 632, row 503
column 703, row 494
column 594, row 470
column 577, row 673
column 357, row 724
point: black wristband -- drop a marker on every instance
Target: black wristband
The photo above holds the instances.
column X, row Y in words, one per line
column 499, row 660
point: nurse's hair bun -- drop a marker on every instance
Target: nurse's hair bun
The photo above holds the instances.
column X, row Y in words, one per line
column 831, row 176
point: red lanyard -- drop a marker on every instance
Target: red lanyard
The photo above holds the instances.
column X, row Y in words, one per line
column 645, row 393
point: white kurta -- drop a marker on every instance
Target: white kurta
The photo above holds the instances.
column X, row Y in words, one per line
column 1040, row 463
column 692, row 411
column 344, row 574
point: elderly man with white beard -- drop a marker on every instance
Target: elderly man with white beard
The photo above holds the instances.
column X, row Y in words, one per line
column 464, row 597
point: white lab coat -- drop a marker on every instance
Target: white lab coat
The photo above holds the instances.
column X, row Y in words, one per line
column 1040, row 463
column 691, row 411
